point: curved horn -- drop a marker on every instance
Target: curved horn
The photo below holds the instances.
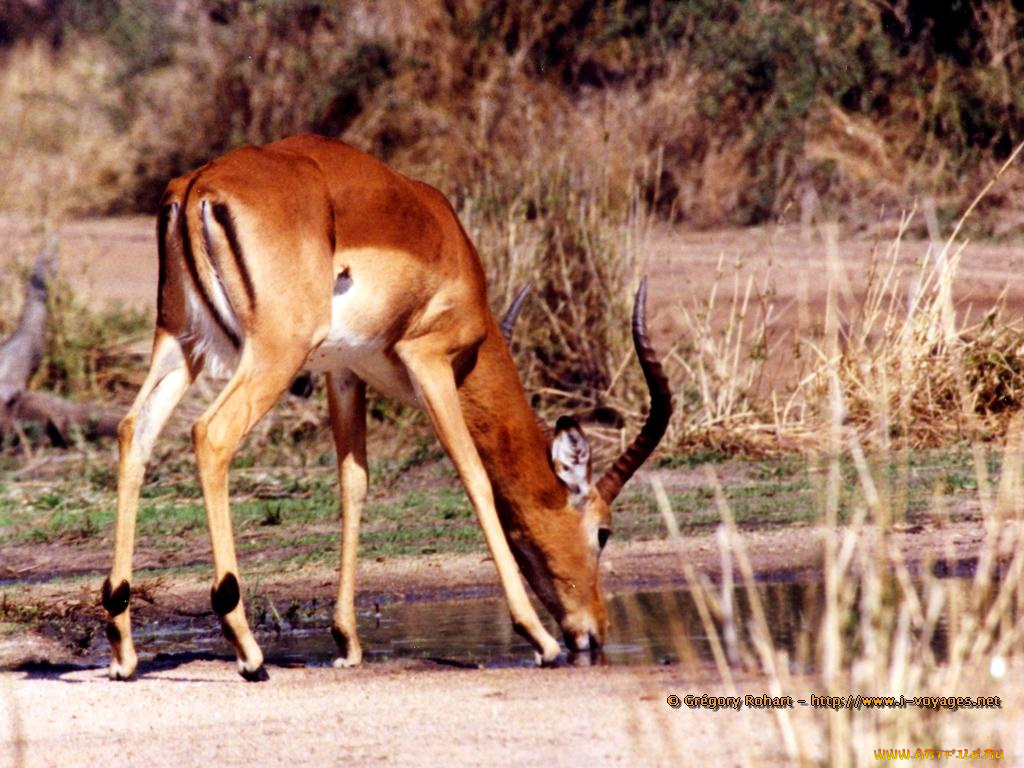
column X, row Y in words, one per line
column 508, row 325
column 508, row 320
column 618, row 473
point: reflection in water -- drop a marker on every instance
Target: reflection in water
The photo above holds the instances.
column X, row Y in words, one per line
column 648, row 627
column 651, row 627
column 665, row 626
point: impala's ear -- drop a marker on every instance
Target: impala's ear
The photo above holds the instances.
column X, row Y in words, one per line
column 570, row 457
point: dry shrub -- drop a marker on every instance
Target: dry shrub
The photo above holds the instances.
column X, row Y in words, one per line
column 741, row 108
column 92, row 354
column 60, row 141
column 583, row 260
column 720, row 365
column 914, row 368
column 891, row 623
column 911, row 365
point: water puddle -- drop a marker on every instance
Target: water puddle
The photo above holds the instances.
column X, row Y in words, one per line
column 659, row 626
column 648, row 626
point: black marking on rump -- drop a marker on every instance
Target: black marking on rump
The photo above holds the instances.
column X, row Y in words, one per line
column 222, row 214
column 331, row 235
column 190, row 262
column 116, row 600
column 343, row 283
column 225, row 596
column 162, row 223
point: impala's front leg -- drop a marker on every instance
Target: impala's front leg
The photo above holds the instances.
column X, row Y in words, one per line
column 346, row 397
column 434, row 380
column 168, row 380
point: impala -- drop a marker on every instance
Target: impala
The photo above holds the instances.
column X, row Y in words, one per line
column 308, row 254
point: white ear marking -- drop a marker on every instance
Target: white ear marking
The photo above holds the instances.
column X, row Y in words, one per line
column 570, row 457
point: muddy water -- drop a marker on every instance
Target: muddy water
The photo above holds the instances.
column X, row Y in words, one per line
column 647, row 627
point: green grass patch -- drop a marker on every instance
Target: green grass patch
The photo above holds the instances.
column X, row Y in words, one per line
column 294, row 516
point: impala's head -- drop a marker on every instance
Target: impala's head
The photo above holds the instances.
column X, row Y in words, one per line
column 559, row 551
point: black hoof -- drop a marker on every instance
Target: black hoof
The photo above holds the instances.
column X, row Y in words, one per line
column 559, row 661
column 258, row 675
column 125, row 678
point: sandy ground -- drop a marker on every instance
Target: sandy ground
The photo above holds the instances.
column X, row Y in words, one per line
column 107, row 261
column 193, row 711
column 196, row 712
column 201, row 714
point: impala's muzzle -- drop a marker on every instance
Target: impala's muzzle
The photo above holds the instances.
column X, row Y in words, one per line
column 581, row 642
column 585, row 630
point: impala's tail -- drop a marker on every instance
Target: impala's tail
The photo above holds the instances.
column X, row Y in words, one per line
column 216, row 289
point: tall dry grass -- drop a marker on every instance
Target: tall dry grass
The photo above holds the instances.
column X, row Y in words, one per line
column 896, row 369
column 913, row 367
column 62, row 149
column 887, row 629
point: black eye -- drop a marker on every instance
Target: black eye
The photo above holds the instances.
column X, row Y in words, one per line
column 602, row 537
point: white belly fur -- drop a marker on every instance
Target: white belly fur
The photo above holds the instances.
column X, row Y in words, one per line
column 352, row 345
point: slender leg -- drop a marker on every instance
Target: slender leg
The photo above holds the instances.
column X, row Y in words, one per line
column 346, row 397
column 168, row 379
column 253, row 389
column 434, row 379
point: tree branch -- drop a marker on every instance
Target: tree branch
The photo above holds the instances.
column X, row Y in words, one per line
column 20, row 356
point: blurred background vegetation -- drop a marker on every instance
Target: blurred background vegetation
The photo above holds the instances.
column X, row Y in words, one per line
column 716, row 112
column 563, row 132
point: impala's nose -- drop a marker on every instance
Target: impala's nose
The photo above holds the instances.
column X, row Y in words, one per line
column 583, row 632
column 581, row 642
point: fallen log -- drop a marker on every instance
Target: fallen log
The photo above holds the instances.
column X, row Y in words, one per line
column 63, row 419
column 21, row 353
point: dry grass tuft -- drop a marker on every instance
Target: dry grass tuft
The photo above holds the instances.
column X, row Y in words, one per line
column 911, row 365
column 62, row 148
column 862, row 105
column 896, row 369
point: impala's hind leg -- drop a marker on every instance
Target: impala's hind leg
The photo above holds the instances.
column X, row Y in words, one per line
column 168, row 379
column 255, row 386
column 346, row 396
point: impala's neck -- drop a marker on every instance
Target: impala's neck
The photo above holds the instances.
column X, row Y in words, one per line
column 511, row 445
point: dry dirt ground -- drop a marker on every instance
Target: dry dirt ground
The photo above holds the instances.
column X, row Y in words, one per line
column 191, row 710
column 201, row 714
column 195, row 711
column 114, row 260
